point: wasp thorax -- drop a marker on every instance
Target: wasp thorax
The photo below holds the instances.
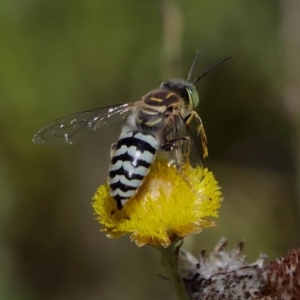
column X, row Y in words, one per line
column 156, row 109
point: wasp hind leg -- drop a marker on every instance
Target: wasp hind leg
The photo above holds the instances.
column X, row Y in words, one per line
column 113, row 148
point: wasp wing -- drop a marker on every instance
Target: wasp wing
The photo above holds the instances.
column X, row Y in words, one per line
column 179, row 142
column 69, row 129
column 184, row 153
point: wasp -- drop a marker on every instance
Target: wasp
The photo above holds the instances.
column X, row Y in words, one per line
column 159, row 121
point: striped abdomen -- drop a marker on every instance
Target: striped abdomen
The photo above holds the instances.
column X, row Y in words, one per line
column 130, row 164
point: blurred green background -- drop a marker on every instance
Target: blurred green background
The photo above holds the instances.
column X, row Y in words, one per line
column 60, row 57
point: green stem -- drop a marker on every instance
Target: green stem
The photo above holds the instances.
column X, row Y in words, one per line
column 169, row 259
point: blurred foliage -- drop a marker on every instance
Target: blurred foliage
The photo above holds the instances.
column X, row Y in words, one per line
column 59, row 57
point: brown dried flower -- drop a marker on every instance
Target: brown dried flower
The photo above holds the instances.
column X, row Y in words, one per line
column 283, row 276
column 226, row 275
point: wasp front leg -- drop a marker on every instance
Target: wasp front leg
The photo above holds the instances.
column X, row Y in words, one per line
column 200, row 130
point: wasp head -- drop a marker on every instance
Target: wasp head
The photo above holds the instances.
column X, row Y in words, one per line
column 186, row 90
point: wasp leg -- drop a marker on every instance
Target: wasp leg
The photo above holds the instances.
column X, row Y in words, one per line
column 112, row 149
column 200, row 130
column 179, row 151
column 179, row 157
column 171, row 145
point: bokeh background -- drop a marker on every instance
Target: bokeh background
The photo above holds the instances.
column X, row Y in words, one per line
column 60, row 57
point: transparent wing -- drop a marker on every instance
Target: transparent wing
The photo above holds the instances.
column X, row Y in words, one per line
column 180, row 143
column 184, row 153
column 70, row 129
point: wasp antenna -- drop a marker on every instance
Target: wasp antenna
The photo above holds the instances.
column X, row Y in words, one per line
column 211, row 68
column 193, row 66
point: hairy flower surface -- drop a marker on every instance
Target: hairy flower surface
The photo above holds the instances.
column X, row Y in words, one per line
column 167, row 205
column 225, row 275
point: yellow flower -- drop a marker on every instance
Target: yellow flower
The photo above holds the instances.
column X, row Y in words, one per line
column 168, row 205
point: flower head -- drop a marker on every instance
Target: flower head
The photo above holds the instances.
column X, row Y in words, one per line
column 224, row 274
column 167, row 205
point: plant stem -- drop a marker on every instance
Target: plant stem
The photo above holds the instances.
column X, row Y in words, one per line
column 169, row 259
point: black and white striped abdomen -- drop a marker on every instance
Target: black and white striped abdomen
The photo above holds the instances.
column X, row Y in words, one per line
column 134, row 153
